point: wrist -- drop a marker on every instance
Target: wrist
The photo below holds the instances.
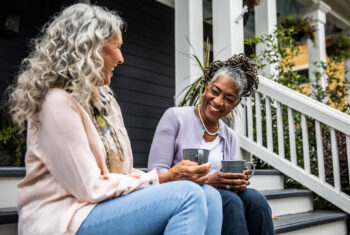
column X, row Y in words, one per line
column 164, row 177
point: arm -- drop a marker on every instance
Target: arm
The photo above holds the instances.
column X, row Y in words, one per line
column 64, row 141
column 162, row 150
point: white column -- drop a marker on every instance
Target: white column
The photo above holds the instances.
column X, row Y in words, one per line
column 347, row 80
column 265, row 23
column 317, row 51
column 188, row 30
column 228, row 36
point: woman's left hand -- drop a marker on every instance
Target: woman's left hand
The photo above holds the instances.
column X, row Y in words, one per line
column 232, row 181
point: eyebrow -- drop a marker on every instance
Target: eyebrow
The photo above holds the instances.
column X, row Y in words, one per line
column 221, row 91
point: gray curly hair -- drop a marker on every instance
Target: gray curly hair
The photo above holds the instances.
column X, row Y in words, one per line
column 67, row 56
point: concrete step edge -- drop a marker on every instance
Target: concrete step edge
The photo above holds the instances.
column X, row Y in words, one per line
column 288, row 223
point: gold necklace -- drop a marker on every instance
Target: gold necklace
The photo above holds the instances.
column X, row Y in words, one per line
column 205, row 128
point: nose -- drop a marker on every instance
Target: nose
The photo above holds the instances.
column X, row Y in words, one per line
column 121, row 59
column 218, row 101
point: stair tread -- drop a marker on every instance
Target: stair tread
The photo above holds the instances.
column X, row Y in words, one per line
column 12, row 172
column 8, row 215
column 287, row 223
column 267, row 172
column 284, row 193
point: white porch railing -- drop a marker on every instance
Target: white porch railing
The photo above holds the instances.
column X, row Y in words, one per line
column 268, row 142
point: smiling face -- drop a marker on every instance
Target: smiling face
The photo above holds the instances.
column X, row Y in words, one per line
column 220, row 97
column 112, row 56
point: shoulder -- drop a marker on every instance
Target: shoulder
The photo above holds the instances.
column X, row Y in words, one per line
column 179, row 112
column 57, row 99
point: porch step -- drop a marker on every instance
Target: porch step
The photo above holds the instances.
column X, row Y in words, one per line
column 9, row 178
column 289, row 201
column 310, row 223
column 261, row 177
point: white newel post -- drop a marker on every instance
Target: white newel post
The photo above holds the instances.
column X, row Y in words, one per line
column 265, row 23
column 228, row 37
column 317, row 51
column 188, row 29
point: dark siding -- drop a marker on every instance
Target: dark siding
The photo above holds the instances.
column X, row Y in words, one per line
column 144, row 84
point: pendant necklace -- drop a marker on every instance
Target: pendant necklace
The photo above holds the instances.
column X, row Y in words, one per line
column 205, row 128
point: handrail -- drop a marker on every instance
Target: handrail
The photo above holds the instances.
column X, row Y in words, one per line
column 306, row 105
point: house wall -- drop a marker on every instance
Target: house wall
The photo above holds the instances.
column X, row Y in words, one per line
column 144, row 84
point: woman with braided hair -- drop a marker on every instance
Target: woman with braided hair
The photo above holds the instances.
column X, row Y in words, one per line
column 245, row 210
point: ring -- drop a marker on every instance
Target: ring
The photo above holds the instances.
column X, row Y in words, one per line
column 228, row 187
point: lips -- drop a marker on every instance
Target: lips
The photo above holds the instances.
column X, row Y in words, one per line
column 213, row 110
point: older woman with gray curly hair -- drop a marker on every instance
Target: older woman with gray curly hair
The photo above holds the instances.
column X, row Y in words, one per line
column 79, row 169
column 245, row 210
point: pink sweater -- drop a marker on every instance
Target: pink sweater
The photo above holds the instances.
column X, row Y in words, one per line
column 66, row 170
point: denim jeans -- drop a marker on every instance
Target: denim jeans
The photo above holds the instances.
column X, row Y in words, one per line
column 179, row 207
column 246, row 213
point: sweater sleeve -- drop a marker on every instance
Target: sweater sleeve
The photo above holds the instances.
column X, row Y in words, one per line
column 64, row 143
column 161, row 155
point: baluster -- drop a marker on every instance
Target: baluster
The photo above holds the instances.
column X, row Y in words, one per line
column 293, row 154
column 305, row 144
column 348, row 153
column 280, row 130
column 258, row 118
column 320, row 158
column 250, row 118
column 269, row 125
column 335, row 159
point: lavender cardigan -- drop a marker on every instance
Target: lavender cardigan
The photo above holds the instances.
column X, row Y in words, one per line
column 179, row 128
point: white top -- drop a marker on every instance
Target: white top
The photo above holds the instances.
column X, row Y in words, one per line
column 216, row 153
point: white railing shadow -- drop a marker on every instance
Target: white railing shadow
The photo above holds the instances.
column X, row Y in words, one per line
column 277, row 105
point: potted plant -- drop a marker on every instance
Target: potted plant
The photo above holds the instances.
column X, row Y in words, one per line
column 196, row 89
column 338, row 45
column 302, row 27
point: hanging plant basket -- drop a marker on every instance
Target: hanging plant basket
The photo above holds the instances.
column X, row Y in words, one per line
column 338, row 46
column 250, row 4
column 303, row 27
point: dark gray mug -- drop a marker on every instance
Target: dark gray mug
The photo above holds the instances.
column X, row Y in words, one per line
column 237, row 166
column 196, row 155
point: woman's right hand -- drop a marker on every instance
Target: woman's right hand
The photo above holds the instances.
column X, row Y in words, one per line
column 188, row 170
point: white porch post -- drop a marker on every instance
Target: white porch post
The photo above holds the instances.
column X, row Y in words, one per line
column 317, row 52
column 228, row 37
column 265, row 23
column 188, row 30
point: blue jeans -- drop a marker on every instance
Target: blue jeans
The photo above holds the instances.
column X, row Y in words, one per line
column 246, row 213
column 179, row 207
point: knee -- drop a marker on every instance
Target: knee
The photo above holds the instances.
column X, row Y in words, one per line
column 255, row 200
column 231, row 201
column 213, row 197
column 192, row 194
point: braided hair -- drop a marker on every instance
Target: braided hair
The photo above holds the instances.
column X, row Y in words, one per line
column 240, row 69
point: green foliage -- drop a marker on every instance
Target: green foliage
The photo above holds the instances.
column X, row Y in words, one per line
column 339, row 47
column 302, row 27
column 196, row 89
column 280, row 50
column 12, row 143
